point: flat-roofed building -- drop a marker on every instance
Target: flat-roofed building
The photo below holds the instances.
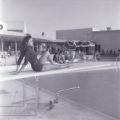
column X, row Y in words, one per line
column 84, row 34
column 108, row 39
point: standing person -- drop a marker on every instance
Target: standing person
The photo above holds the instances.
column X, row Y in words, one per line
column 38, row 64
column 97, row 56
column 23, row 48
column 118, row 55
column 9, row 50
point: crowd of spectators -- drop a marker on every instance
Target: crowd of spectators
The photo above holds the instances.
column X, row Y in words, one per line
column 61, row 53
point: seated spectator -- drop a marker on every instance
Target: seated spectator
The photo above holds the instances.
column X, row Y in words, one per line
column 58, row 57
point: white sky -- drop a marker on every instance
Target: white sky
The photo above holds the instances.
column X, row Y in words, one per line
column 50, row 15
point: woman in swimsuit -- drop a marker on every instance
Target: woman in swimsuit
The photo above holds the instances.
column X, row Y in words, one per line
column 23, row 48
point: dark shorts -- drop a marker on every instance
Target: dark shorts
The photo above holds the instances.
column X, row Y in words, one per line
column 37, row 67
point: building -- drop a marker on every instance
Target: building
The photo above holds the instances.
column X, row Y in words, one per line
column 75, row 34
column 108, row 39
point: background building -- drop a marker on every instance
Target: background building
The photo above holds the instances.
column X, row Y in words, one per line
column 108, row 39
column 75, row 34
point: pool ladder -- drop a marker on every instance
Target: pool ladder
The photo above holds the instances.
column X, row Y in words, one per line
column 57, row 94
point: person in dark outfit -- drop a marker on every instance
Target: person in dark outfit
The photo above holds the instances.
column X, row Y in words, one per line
column 23, row 48
column 31, row 57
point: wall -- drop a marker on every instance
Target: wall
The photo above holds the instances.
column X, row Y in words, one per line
column 74, row 34
column 107, row 39
column 15, row 26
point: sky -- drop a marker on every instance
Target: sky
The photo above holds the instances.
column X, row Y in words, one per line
column 51, row 15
